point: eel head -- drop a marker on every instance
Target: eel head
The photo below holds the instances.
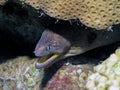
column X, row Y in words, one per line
column 50, row 48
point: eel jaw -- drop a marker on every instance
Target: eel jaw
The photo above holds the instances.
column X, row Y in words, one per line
column 46, row 60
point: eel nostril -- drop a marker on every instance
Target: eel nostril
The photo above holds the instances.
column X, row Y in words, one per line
column 36, row 53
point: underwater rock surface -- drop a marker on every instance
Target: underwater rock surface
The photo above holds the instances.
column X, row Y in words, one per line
column 70, row 77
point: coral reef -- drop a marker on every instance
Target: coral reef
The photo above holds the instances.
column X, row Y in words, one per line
column 70, row 77
column 19, row 23
column 106, row 75
column 20, row 74
column 98, row 14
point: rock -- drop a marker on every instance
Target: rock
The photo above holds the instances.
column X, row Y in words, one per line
column 70, row 77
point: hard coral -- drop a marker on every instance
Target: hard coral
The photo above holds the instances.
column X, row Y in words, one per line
column 20, row 74
column 106, row 75
column 98, row 14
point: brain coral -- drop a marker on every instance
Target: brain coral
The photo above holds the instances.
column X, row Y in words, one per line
column 98, row 14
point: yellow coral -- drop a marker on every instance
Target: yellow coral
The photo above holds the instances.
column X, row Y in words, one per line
column 98, row 14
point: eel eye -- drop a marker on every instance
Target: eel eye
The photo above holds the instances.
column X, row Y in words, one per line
column 49, row 47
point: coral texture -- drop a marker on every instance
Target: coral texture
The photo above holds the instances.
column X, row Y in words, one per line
column 70, row 77
column 106, row 75
column 98, row 14
column 20, row 74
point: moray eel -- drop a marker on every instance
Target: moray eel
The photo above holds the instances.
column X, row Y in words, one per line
column 50, row 47
column 54, row 46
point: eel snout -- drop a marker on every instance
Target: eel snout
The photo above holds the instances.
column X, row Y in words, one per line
column 50, row 48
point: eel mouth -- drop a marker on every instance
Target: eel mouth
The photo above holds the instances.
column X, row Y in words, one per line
column 46, row 60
